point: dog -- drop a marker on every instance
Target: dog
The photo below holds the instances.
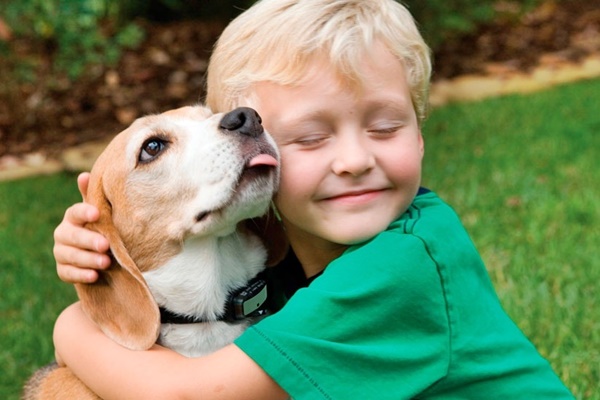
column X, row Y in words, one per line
column 176, row 193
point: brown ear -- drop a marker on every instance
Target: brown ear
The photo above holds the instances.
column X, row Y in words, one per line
column 120, row 302
column 271, row 232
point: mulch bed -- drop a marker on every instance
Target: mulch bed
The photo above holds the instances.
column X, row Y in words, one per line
column 168, row 70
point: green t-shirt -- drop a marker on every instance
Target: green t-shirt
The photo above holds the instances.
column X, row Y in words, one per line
column 408, row 314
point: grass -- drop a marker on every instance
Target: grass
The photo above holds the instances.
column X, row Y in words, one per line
column 521, row 171
column 31, row 293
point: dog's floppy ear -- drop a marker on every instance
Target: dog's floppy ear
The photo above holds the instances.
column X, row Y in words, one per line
column 271, row 233
column 120, row 302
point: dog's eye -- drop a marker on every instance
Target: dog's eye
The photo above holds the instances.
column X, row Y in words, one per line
column 151, row 149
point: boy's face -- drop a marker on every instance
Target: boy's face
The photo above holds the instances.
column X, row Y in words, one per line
column 350, row 163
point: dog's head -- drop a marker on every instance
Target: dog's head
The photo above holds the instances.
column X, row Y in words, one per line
column 167, row 177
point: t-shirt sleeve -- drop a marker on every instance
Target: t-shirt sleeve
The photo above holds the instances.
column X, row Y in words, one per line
column 375, row 323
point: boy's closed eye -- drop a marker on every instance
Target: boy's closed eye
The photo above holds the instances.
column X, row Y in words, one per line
column 304, row 134
column 384, row 131
column 311, row 141
column 389, row 121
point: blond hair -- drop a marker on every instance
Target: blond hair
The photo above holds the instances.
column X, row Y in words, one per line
column 276, row 41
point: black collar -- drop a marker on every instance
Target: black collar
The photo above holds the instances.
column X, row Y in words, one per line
column 247, row 302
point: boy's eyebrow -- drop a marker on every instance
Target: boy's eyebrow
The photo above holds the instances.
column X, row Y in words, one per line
column 395, row 102
column 308, row 117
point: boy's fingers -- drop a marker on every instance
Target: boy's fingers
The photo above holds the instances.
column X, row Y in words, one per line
column 78, row 257
column 70, row 235
column 81, row 213
column 74, row 265
column 80, row 238
column 83, row 181
column 71, row 274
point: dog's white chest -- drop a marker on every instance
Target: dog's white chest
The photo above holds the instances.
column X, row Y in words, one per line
column 197, row 283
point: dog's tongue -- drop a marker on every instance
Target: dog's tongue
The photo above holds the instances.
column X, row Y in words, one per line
column 262, row 159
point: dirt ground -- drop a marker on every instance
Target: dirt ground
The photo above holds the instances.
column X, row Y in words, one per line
column 168, row 70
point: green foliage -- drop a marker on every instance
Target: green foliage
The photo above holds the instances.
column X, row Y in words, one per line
column 442, row 20
column 81, row 33
column 187, row 9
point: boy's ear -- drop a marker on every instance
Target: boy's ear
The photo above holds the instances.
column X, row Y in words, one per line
column 271, row 232
column 120, row 302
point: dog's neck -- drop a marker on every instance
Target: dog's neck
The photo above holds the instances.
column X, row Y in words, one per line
column 244, row 304
column 197, row 282
column 206, row 271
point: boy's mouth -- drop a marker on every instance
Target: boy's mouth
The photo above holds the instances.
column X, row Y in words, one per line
column 355, row 197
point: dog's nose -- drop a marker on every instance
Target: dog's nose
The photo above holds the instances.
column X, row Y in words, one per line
column 242, row 120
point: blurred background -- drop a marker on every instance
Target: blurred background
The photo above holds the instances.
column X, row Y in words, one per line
column 76, row 70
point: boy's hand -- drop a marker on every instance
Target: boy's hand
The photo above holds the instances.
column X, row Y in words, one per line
column 78, row 251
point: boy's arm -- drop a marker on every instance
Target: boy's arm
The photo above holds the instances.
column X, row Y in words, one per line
column 115, row 372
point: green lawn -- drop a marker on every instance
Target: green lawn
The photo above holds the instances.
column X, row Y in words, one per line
column 30, row 291
column 521, row 171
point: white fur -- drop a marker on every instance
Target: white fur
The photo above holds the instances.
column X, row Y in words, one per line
column 197, row 282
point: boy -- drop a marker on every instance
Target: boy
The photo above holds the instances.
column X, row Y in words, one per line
column 396, row 302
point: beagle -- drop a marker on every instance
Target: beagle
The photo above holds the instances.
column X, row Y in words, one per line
column 176, row 192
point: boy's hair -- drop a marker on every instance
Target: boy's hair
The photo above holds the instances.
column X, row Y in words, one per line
column 277, row 40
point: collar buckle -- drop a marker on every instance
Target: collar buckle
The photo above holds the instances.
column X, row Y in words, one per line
column 250, row 301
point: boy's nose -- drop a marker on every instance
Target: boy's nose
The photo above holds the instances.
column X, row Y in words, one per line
column 243, row 120
column 352, row 157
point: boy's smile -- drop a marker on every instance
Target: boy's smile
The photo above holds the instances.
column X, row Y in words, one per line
column 350, row 155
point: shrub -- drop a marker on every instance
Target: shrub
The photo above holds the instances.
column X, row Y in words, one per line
column 442, row 20
column 76, row 33
column 161, row 10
